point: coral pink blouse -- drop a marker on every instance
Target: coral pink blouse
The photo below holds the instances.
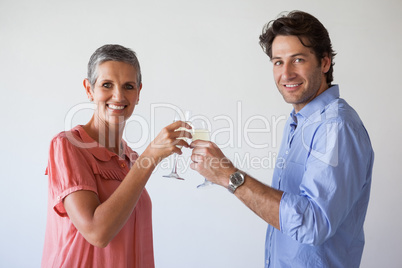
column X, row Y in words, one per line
column 77, row 162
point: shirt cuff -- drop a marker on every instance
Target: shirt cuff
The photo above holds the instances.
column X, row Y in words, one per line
column 292, row 215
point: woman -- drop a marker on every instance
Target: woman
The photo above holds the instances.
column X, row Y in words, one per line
column 99, row 212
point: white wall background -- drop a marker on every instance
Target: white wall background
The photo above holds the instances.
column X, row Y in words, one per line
column 203, row 56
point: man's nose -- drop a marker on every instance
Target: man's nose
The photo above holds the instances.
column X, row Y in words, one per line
column 288, row 71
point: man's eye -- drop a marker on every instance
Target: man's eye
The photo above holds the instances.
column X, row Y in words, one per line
column 277, row 63
column 128, row 86
column 298, row 60
column 107, row 85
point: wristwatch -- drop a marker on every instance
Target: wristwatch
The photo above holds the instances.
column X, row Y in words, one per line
column 235, row 180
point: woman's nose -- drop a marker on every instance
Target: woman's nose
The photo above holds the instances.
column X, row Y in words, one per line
column 118, row 93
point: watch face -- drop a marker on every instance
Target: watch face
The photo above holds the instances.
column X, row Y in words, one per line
column 237, row 179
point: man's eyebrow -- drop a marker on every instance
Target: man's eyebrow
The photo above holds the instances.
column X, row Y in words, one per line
column 291, row 56
column 299, row 54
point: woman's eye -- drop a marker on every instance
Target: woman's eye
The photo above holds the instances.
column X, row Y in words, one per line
column 277, row 63
column 129, row 86
column 107, row 85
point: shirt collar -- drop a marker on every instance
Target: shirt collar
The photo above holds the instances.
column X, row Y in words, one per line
column 318, row 103
column 98, row 150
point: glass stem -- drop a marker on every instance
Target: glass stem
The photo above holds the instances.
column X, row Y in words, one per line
column 175, row 164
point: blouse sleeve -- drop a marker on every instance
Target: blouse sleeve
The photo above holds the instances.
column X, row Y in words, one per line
column 69, row 170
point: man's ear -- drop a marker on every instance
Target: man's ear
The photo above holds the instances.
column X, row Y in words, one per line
column 325, row 63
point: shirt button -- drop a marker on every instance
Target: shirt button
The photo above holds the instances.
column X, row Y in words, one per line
column 123, row 165
column 287, row 152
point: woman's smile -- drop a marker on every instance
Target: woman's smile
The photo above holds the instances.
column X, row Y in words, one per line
column 116, row 91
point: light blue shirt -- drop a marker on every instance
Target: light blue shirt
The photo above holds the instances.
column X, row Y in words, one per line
column 324, row 168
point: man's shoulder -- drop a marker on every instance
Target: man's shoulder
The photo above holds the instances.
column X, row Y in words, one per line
column 336, row 113
column 340, row 116
column 343, row 112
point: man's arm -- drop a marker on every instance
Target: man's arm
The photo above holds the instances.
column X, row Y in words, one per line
column 210, row 162
column 261, row 199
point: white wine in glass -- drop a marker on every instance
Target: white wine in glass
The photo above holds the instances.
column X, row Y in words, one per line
column 202, row 134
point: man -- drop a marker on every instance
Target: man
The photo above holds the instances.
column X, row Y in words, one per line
column 317, row 203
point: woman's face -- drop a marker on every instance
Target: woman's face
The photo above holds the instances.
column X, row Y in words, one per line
column 115, row 92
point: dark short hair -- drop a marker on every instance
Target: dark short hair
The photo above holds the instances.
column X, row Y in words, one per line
column 304, row 26
column 112, row 53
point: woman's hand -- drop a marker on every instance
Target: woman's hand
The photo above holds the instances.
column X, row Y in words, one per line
column 170, row 140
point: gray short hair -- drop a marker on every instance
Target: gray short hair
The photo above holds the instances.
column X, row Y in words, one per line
column 112, row 53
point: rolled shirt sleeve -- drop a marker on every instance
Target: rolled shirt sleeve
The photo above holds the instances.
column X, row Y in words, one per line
column 333, row 179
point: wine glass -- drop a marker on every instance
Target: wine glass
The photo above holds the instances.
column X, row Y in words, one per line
column 173, row 174
column 201, row 132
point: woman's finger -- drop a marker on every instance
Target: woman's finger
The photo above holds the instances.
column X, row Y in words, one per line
column 181, row 143
column 178, row 124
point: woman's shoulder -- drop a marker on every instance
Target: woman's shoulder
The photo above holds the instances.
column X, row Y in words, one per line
column 69, row 137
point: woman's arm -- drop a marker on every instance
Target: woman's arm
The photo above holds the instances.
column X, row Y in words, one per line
column 100, row 222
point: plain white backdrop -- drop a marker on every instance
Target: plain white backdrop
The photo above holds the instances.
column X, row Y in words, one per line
column 201, row 56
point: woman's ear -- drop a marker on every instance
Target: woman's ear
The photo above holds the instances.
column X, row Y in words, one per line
column 139, row 91
column 88, row 89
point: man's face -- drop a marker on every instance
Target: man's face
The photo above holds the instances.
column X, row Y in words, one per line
column 297, row 73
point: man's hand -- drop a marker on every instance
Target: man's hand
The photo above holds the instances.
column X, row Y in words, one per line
column 210, row 162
